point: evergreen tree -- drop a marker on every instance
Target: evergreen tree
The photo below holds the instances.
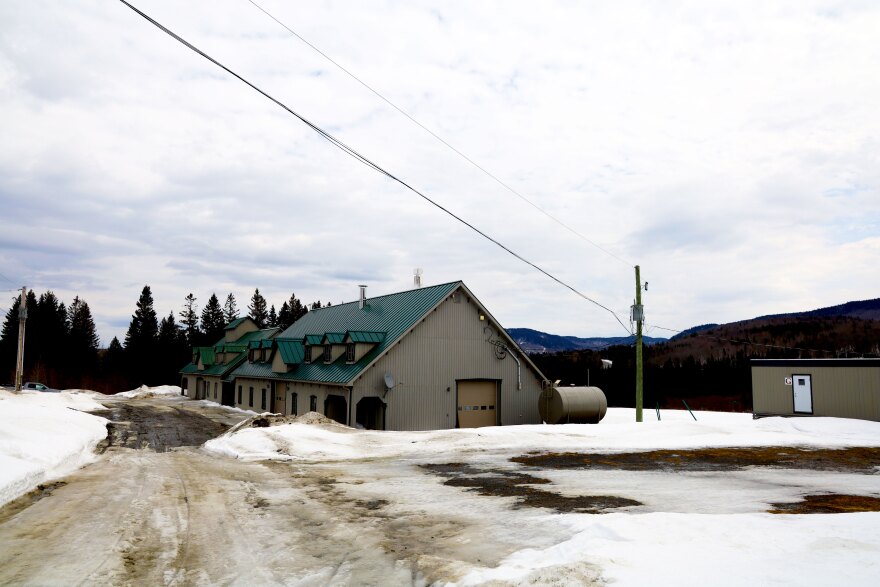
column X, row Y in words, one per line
column 297, row 308
column 189, row 321
column 83, row 338
column 284, row 316
column 141, row 340
column 83, row 333
column 9, row 342
column 316, row 305
column 213, row 321
column 272, row 320
column 291, row 311
column 257, row 309
column 46, row 340
column 173, row 350
column 230, row 309
column 143, row 329
column 115, row 353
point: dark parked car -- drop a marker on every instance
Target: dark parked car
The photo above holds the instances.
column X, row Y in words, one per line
column 37, row 387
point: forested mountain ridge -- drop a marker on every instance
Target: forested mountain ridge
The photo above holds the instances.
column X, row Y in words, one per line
column 709, row 366
column 535, row 341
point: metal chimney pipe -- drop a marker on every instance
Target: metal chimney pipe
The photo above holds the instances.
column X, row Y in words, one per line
column 363, row 298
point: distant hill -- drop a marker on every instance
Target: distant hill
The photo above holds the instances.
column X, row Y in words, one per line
column 535, row 341
column 865, row 309
column 853, row 325
column 694, row 330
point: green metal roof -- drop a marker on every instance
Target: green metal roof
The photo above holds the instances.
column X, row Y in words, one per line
column 206, row 354
column 232, row 347
column 235, row 323
column 238, row 346
column 224, row 370
column 256, row 335
column 393, row 315
column 333, row 338
column 361, row 336
column 292, row 351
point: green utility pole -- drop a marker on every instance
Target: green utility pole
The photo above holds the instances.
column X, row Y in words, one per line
column 638, row 315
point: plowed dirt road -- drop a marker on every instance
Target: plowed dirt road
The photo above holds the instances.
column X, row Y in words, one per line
column 156, row 510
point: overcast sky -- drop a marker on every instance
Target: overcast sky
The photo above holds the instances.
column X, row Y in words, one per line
column 732, row 149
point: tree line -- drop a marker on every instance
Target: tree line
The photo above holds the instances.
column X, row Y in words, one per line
column 62, row 348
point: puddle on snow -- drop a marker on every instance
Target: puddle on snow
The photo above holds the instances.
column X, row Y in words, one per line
column 847, row 460
column 829, row 504
column 501, row 483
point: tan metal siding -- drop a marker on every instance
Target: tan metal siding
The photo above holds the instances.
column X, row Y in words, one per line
column 843, row 392
column 259, row 385
column 448, row 345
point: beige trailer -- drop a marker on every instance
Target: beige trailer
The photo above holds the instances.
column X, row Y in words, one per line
column 843, row 388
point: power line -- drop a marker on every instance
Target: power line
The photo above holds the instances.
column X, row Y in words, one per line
column 7, row 279
column 439, row 138
column 353, row 153
column 731, row 340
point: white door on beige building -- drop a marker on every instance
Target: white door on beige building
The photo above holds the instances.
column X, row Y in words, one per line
column 802, row 387
column 477, row 401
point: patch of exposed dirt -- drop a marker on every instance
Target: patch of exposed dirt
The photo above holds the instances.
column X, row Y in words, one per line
column 846, row 460
column 829, row 504
column 267, row 420
column 28, row 499
column 521, row 486
column 157, row 428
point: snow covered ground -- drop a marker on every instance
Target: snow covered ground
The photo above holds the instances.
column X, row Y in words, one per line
column 44, row 436
column 146, row 391
column 692, row 528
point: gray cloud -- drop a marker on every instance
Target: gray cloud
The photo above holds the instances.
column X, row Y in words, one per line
column 729, row 149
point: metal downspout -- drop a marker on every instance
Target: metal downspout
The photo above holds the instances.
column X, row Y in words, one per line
column 518, row 371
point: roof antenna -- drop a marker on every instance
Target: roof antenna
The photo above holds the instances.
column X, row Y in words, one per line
column 417, row 277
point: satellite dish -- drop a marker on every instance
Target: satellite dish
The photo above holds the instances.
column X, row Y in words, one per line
column 389, row 381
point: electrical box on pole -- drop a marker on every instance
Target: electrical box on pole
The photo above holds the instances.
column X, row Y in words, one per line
column 638, row 316
column 22, row 317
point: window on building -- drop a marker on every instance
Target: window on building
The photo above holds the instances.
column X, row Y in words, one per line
column 239, row 394
column 263, row 400
column 215, row 390
column 313, row 403
column 349, row 353
column 293, row 404
column 307, row 356
column 251, row 396
column 328, row 353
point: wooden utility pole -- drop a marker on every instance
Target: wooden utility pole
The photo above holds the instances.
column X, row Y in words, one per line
column 22, row 317
column 638, row 314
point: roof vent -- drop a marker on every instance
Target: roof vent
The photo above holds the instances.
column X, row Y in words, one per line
column 363, row 298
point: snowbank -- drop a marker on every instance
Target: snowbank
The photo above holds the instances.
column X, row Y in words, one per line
column 618, row 432
column 145, row 391
column 45, row 436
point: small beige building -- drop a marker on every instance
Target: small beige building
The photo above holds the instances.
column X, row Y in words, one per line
column 844, row 388
column 423, row 359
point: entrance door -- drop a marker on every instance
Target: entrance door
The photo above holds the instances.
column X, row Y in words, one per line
column 335, row 408
column 476, row 403
column 803, row 394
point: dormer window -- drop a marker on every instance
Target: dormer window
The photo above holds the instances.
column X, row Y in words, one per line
column 349, row 352
column 307, row 354
column 328, row 353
